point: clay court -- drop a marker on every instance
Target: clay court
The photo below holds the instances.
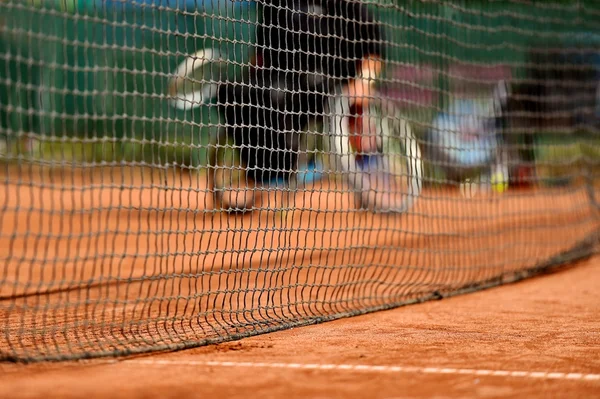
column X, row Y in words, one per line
column 151, row 266
column 120, row 279
column 534, row 339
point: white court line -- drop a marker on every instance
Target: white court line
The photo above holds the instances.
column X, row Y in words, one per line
column 545, row 375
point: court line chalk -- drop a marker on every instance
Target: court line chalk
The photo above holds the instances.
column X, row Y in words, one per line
column 544, row 375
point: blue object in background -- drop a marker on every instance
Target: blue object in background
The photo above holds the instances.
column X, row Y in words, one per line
column 465, row 136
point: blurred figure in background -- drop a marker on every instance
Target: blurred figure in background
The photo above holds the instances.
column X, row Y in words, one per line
column 304, row 50
column 556, row 107
column 465, row 140
column 555, row 103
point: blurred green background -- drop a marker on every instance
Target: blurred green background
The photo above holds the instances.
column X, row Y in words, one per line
column 89, row 78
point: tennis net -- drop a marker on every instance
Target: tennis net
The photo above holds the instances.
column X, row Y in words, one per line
column 177, row 173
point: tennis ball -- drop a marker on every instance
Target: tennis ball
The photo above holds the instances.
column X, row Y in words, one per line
column 499, row 182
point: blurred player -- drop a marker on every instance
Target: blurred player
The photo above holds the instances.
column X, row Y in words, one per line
column 304, row 50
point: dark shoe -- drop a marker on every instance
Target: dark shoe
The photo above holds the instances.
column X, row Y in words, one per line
column 234, row 192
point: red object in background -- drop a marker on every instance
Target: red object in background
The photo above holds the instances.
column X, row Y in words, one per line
column 523, row 176
column 355, row 125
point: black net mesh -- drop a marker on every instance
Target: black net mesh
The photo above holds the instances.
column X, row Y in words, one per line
column 175, row 173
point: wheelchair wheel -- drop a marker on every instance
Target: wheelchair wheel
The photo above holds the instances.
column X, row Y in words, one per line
column 378, row 153
column 196, row 79
column 227, row 178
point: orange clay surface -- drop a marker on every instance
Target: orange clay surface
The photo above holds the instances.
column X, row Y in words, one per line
column 535, row 339
column 540, row 330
